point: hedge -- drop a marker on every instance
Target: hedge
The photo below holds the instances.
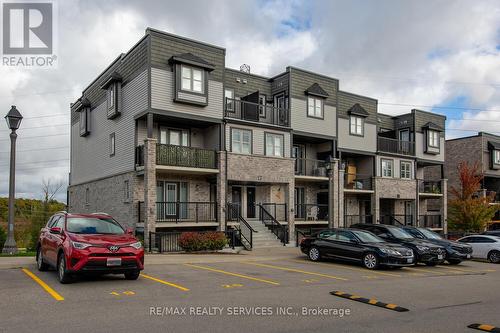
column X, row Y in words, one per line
column 202, row 241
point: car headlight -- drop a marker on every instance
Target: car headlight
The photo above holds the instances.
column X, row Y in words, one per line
column 136, row 245
column 423, row 248
column 390, row 251
column 80, row 246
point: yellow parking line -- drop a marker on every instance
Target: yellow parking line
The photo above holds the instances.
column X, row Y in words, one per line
column 344, row 267
column 165, row 282
column 459, row 269
column 424, row 270
column 295, row 270
column 232, row 274
column 45, row 286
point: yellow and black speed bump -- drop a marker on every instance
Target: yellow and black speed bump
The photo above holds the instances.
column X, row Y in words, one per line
column 483, row 327
column 370, row 301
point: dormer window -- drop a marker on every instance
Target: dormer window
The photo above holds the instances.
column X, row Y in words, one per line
column 433, row 137
column 111, row 96
column 357, row 115
column 494, row 149
column 192, row 79
column 113, row 91
column 314, row 107
column 84, row 114
column 496, row 157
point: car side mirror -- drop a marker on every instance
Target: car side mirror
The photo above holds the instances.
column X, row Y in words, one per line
column 55, row 230
column 129, row 231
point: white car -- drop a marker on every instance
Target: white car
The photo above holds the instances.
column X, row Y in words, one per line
column 484, row 247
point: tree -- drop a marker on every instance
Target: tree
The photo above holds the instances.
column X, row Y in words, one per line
column 468, row 211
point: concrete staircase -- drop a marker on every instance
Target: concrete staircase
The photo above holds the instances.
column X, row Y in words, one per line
column 263, row 237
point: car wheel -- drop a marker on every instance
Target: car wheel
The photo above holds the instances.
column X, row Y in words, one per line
column 454, row 261
column 314, row 254
column 370, row 260
column 62, row 273
column 494, row 257
column 134, row 275
column 40, row 264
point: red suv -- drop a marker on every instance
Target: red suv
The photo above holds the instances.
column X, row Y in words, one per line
column 88, row 243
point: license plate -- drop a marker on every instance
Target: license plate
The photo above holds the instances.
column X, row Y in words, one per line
column 114, row 262
column 409, row 260
column 468, row 256
column 440, row 256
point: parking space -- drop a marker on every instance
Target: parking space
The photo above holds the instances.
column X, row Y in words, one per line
column 289, row 281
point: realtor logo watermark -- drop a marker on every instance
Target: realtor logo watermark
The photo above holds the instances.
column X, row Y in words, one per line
column 28, row 34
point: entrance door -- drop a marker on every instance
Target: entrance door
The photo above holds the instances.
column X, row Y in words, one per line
column 298, row 152
column 404, row 140
column 250, row 202
column 408, row 213
column 322, row 199
column 250, row 111
column 171, row 199
column 299, row 199
column 236, row 200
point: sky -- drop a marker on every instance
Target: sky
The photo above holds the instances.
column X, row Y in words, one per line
column 435, row 55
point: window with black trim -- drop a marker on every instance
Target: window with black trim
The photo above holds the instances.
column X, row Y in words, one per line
column 228, row 99
column 262, row 108
column 112, row 144
column 314, row 107
column 357, row 125
column 241, row 141
column 433, row 138
column 84, row 121
column 274, row 144
column 405, row 170
column 192, row 79
column 496, row 156
column 387, row 168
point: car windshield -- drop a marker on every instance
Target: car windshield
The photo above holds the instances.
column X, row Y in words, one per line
column 94, row 225
column 429, row 234
column 367, row 237
column 400, row 233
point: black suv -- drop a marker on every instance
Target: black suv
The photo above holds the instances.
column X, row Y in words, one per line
column 455, row 252
column 425, row 252
column 358, row 246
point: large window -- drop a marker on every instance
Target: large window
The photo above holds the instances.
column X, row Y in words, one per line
column 274, row 144
column 173, row 136
column 387, row 168
column 228, row 96
column 405, row 170
column 315, row 107
column 433, row 138
column 241, row 141
column 356, row 125
column 192, row 79
column 496, row 156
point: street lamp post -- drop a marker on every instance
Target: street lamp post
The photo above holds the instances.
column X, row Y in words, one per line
column 13, row 119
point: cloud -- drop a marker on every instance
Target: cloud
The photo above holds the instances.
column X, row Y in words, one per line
column 403, row 52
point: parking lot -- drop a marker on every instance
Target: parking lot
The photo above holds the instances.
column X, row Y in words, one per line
column 254, row 292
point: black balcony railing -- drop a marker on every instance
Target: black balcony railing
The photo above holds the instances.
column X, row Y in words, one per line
column 430, row 221
column 308, row 167
column 311, row 212
column 185, row 156
column 279, row 211
column 353, row 219
column 180, row 211
column 429, row 186
column 356, row 181
column 268, row 114
column 397, row 220
column 395, row 146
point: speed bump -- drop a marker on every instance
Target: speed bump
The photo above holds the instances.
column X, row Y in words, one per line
column 483, row 327
column 370, row 301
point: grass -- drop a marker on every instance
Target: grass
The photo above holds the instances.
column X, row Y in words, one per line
column 19, row 254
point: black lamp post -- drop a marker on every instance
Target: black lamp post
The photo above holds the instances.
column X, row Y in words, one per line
column 13, row 119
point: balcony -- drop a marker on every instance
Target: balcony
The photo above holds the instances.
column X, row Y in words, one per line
column 180, row 156
column 395, row 146
column 311, row 168
column 311, row 212
column 182, row 212
column 357, row 182
column 428, row 187
column 349, row 220
column 254, row 112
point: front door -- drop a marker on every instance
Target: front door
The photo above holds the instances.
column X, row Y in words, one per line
column 408, row 220
column 236, row 200
column 170, row 200
column 250, row 202
column 404, row 139
column 322, row 200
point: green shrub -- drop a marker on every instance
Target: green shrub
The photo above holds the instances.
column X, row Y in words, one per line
column 196, row 241
column 3, row 237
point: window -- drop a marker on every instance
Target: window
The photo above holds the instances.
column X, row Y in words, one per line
column 84, row 122
column 87, row 194
column 387, row 167
column 405, row 170
column 229, row 93
column 241, row 141
column 274, row 144
column 192, row 79
column 357, row 124
column 496, row 156
column 314, row 107
column 433, row 138
column 176, row 137
column 262, row 108
column 126, row 191
column 112, row 142
column 111, row 96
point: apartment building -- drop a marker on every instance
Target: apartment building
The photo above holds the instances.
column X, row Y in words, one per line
column 483, row 149
column 168, row 138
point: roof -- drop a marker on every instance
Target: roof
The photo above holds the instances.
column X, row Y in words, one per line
column 191, row 59
column 316, row 90
column 432, row 126
column 358, row 110
column 494, row 145
column 113, row 77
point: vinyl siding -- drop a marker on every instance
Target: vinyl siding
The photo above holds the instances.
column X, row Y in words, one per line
column 397, row 164
column 90, row 158
column 162, row 96
column 420, row 149
column 367, row 143
column 301, row 122
column 258, row 141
